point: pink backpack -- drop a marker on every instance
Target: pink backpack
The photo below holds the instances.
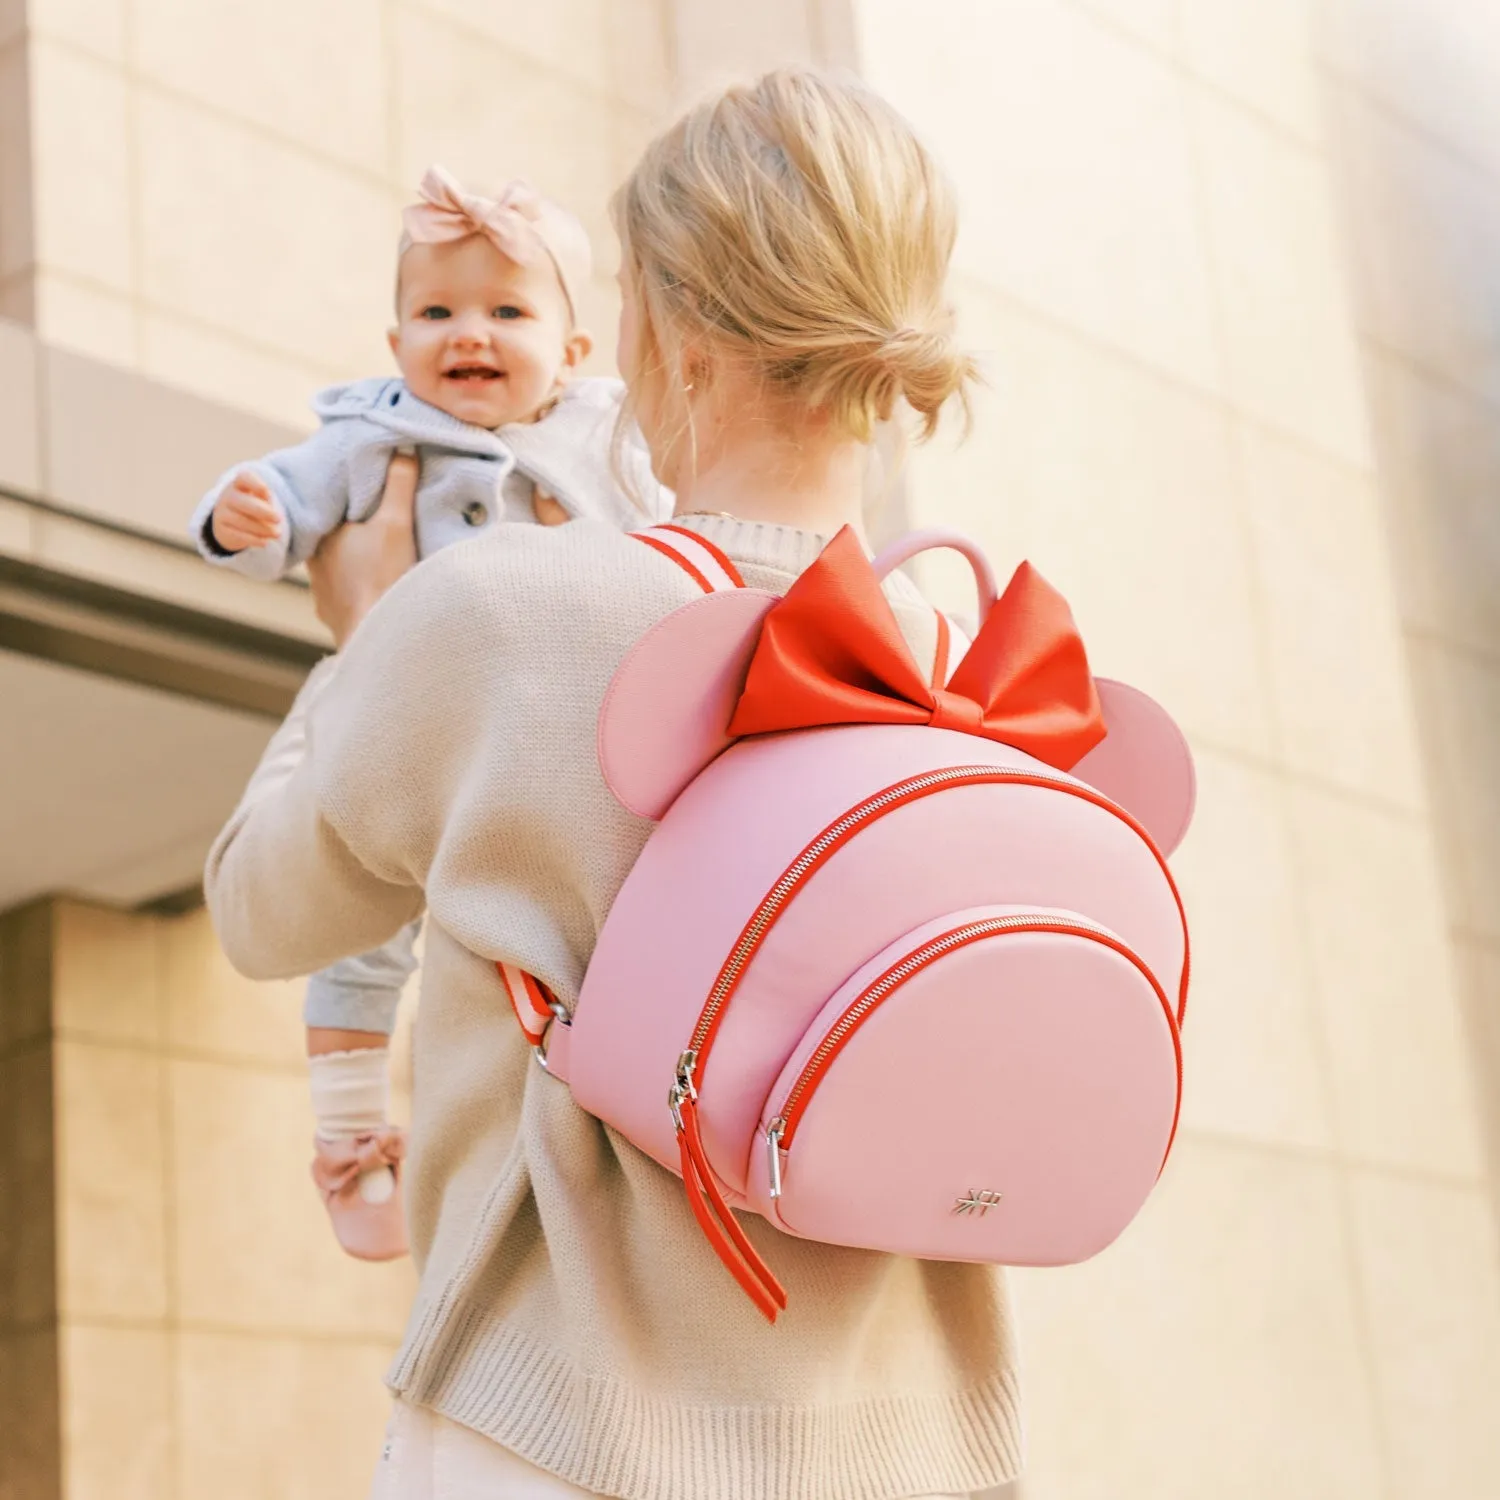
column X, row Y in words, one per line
column 902, row 965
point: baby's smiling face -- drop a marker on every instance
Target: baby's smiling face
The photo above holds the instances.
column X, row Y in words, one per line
column 480, row 337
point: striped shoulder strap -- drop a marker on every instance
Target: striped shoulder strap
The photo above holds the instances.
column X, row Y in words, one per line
column 534, row 1004
column 536, row 1007
column 708, row 566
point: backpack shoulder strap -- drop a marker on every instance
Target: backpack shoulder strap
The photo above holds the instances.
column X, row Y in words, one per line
column 534, row 1004
column 708, row 566
column 536, row 1007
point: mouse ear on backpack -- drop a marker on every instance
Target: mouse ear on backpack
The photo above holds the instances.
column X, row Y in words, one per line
column 1143, row 763
column 666, row 714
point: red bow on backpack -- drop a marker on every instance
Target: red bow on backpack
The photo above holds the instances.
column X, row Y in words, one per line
column 831, row 652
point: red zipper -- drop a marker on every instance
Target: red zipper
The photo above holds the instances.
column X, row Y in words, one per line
column 783, row 1129
column 839, row 831
column 703, row 1189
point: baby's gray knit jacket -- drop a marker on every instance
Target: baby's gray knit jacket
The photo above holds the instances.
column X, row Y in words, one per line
column 471, row 477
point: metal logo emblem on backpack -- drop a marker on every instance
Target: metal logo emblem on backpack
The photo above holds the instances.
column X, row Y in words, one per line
column 983, row 1201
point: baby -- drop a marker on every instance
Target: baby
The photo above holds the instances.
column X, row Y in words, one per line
column 488, row 345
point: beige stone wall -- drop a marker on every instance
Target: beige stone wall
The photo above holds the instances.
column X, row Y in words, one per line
column 172, row 1301
column 1176, row 431
column 1412, row 90
column 209, row 194
column 1252, row 437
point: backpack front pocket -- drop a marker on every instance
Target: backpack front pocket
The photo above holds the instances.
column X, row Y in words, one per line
column 1000, row 1085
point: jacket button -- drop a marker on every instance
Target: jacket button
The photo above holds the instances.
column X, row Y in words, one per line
column 475, row 513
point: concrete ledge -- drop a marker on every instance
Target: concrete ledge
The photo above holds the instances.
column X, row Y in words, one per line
column 39, row 534
column 20, row 442
column 100, row 469
column 132, row 451
column 62, row 618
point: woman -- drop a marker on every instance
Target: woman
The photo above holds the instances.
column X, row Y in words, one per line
column 785, row 248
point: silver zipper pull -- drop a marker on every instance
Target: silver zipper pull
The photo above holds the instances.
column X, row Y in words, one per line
column 683, row 1089
column 686, row 1066
column 773, row 1155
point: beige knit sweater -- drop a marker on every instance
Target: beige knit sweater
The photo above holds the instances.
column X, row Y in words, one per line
column 569, row 1307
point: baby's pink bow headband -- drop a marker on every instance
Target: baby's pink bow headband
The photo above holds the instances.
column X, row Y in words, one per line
column 520, row 223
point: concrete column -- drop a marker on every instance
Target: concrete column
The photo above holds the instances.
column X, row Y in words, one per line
column 30, row 1432
column 176, row 1320
column 17, row 253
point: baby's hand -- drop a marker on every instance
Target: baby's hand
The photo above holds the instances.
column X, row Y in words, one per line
column 245, row 515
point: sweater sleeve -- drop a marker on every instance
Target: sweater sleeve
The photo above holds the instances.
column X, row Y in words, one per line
column 364, row 752
column 286, row 895
column 435, row 758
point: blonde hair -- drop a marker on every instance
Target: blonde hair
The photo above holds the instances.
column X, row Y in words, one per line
column 796, row 224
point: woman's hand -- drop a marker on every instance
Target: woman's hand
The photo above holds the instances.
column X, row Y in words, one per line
column 356, row 564
column 548, row 509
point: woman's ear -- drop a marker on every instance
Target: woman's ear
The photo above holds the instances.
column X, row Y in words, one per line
column 697, row 371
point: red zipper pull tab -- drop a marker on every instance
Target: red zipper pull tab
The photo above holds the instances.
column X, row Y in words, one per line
column 749, row 1282
column 722, row 1229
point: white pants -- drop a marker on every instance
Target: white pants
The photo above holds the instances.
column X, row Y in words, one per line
column 427, row 1457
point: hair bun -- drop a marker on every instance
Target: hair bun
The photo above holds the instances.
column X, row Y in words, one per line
column 905, row 340
column 918, row 365
column 798, row 225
